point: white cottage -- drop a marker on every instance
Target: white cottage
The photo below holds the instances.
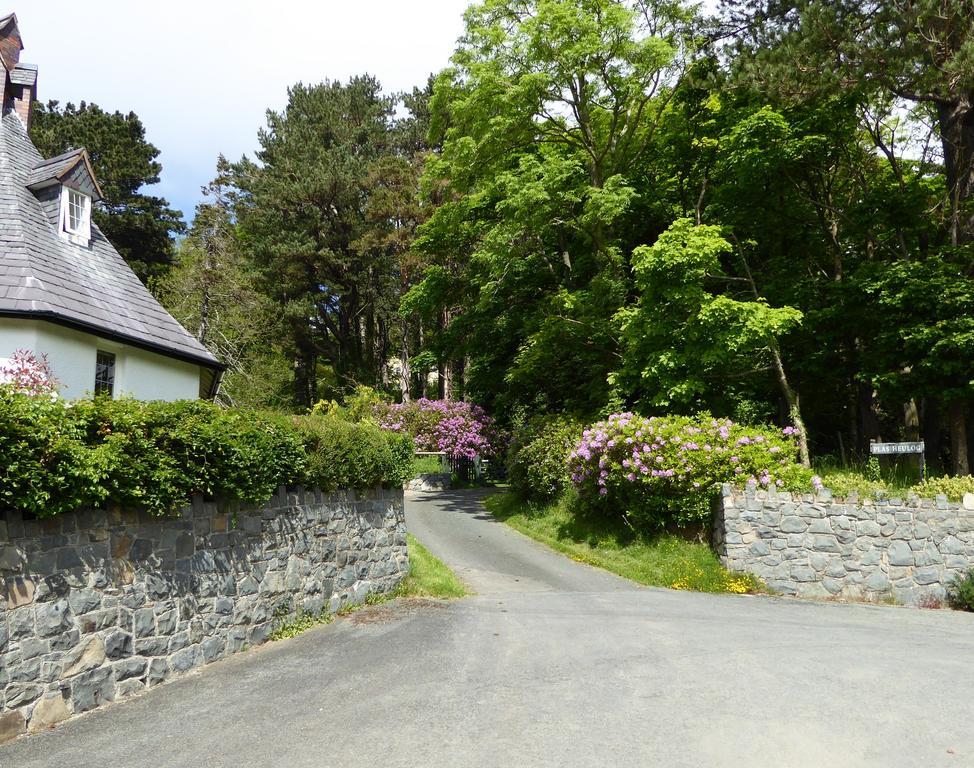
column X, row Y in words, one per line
column 65, row 292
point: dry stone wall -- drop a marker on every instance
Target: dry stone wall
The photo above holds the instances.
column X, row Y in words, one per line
column 98, row 605
column 813, row 545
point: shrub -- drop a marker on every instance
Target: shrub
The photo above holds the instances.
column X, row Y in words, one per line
column 60, row 456
column 537, row 460
column 47, row 467
column 159, row 454
column 961, row 593
column 953, row 488
column 460, row 429
column 342, row 454
column 658, row 471
column 29, row 374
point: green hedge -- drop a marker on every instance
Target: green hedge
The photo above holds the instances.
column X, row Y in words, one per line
column 60, row 456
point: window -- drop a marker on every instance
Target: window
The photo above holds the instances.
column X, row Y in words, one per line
column 105, row 374
column 75, row 216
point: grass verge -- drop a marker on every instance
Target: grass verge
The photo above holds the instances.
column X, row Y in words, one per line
column 428, row 577
column 666, row 561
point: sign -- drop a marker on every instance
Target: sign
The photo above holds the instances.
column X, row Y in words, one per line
column 884, row 449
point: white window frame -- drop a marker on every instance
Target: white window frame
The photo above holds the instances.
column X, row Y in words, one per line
column 81, row 234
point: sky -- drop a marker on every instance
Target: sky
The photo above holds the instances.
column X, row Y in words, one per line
column 201, row 74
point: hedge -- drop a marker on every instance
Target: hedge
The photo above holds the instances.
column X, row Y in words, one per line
column 60, row 456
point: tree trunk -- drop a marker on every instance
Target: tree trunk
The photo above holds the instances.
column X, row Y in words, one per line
column 956, row 123
column 932, row 431
column 794, row 407
column 957, row 418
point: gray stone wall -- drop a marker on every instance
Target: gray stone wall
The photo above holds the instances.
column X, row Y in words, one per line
column 98, row 605
column 809, row 545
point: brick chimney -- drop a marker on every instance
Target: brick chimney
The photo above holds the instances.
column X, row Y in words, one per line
column 20, row 80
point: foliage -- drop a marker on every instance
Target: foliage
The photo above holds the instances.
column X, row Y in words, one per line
column 953, row 488
column 212, row 290
column 681, row 339
column 325, row 216
column 140, row 226
column 428, row 465
column 342, row 454
column 159, row 454
column 662, row 561
column 537, row 459
column 549, row 106
column 48, row 466
column 961, row 594
column 62, row 456
column 656, row 471
column 28, row 374
column 459, row 428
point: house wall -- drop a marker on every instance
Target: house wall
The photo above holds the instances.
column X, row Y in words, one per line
column 139, row 373
column 97, row 605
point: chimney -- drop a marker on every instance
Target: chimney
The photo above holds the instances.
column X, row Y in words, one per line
column 20, row 80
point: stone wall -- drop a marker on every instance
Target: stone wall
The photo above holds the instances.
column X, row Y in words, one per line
column 98, row 605
column 874, row 549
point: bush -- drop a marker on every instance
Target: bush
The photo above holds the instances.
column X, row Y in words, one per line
column 953, row 488
column 460, row 429
column 961, row 594
column 537, row 460
column 342, row 454
column 159, row 454
column 47, row 466
column 659, row 471
column 61, row 456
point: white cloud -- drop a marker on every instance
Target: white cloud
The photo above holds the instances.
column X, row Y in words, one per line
column 202, row 74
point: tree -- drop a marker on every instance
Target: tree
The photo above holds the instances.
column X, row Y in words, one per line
column 913, row 58
column 681, row 340
column 548, row 106
column 140, row 226
column 212, row 290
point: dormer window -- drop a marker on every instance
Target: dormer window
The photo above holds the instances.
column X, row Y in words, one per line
column 75, row 216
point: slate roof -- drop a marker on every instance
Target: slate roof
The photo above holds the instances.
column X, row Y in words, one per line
column 23, row 74
column 89, row 288
column 56, row 168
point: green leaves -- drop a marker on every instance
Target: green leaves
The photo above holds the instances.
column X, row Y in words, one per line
column 683, row 339
column 60, row 457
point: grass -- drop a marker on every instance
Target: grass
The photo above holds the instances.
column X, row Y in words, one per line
column 666, row 561
column 899, row 480
column 427, row 465
column 428, row 577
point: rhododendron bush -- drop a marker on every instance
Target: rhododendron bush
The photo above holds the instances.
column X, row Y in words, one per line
column 460, row 429
column 656, row 471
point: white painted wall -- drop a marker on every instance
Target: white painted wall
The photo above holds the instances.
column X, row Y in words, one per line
column 138, row 373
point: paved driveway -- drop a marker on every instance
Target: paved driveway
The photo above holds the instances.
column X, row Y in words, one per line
column 557, row 664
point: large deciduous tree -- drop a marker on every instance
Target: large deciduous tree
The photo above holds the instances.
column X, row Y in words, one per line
column 139, row 225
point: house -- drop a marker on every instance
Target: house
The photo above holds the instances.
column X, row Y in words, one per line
column 65, row 292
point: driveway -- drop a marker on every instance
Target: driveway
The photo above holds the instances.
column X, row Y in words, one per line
column 554, row 663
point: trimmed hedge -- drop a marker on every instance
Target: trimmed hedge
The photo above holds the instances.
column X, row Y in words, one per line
column 61, row 456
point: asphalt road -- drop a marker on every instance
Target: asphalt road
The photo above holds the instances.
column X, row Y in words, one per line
column 554, row 663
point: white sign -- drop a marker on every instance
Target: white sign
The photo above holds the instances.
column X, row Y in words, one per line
column 888, row 448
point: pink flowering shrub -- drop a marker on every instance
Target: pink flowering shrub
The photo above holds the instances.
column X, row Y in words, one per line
column 460, row 429
column 28, row 374
column 655, row 471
